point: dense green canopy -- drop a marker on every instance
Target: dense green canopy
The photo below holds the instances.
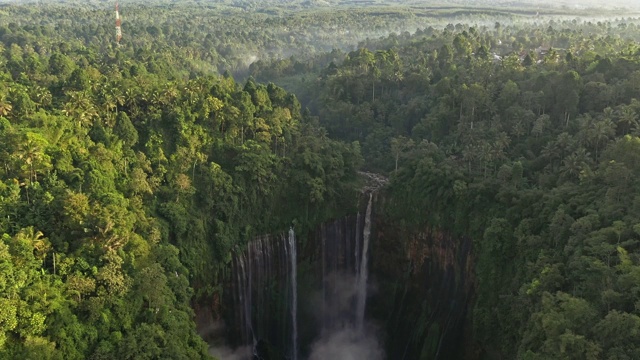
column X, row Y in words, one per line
column 125, row 183
column 130, row 174
column 525, row 138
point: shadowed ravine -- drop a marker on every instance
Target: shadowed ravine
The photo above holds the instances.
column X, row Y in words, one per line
column 359, row 288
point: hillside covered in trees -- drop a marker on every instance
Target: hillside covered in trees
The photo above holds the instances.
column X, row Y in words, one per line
column 526, row 139
column 131, row 174
column 125, row 183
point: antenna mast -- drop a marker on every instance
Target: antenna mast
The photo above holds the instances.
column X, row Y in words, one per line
column 118, row 30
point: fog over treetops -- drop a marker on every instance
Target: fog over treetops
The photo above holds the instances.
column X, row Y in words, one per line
column 578, row 4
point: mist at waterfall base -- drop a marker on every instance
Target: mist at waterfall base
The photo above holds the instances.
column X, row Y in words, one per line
column 341, row 336
column 220, row 350
column 226, row 353
column 347, row 344
column 346, row 335
column 264, row 297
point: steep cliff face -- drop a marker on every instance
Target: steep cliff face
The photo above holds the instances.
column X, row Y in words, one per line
column 256, row 307
column 333, row 288
column 414, row 304
column 258, row 298
column 425, row 283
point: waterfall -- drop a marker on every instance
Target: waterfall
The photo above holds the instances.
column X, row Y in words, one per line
column 343, row 334
column 294, row 294
column 356, row 251
column 343, row 270
column 263, row 303
column 244, row 291
column 363, row 271
column 263, row 300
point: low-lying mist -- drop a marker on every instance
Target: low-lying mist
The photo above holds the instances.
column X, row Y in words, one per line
column 348, row 344
column 226, row 353
column 341, row 336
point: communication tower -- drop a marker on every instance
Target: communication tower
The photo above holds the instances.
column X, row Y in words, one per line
column 118, row 29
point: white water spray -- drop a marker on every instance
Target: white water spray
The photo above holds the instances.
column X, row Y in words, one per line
column 294, row 292
column 363, row 272
column 356, row 250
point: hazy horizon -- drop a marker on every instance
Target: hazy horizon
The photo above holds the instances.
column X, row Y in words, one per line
column 578, row 4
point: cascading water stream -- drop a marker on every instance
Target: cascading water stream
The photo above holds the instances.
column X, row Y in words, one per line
column 356, row 250
column 245, row 295
column 264, row 301
column 363, row 271
column 294, row 294
column 265, row 296
column 265, row 282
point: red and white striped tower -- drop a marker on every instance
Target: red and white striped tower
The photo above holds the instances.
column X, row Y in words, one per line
column 118, row 30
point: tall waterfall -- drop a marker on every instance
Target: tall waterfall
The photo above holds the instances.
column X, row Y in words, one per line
column 294, row 293
column 263, row 294
column 357, row 242
column 363, row 271
column 345, row 273
column 262, row 298
column 344, row 245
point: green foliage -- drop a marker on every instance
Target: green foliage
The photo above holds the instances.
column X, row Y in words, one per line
column 129, row 174
column 125, row 185
column 125, row 130
column 530, row 151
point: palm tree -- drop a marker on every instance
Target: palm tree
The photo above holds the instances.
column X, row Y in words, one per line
column 540, row 124
column 40, row 244
column 42, row 96
column 34, row 240
column 574, row 164
column 628, row 119
column 601, row 132
column 131, row 100
column 585, row 123
column 109, row 105
column 80, row 108
column 31, row 151
column 170, row 93
column 564, row 142
column 5, row 106
column 608, row 113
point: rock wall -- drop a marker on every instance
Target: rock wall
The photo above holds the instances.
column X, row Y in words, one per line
column 421, row 289
column 425, row 281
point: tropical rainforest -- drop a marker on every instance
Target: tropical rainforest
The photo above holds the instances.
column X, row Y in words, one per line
column 132, row 172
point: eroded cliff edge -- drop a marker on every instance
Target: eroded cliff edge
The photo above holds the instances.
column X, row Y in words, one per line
column 425, row 291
